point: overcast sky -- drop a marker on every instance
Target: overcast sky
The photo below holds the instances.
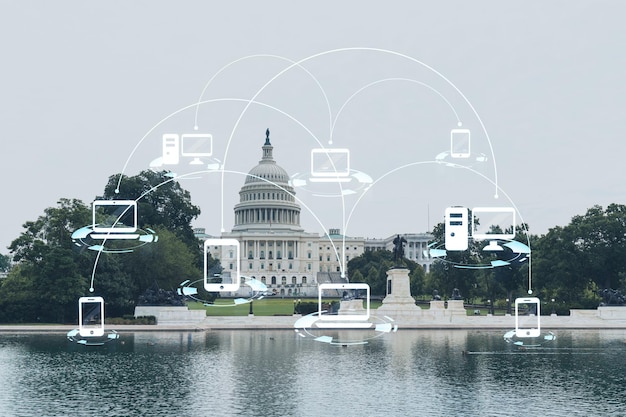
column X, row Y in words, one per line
column 87, row 86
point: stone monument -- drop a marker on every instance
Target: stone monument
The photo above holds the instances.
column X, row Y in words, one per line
column 455, row 304
column 398, row 301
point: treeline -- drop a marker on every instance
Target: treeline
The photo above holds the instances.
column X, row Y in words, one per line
column 570, row 265
column 51, row 271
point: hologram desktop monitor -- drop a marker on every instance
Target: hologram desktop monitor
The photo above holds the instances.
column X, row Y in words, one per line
column 114, row 216
column 493, row 223
column 330, row 165
column 196, row 145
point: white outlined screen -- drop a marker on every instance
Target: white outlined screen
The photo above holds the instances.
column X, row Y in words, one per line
column 91, row 316
column 460, row 143
column 114, row 216
column 228, row 252
column 196, row 145
column 527, row 317
column 493, row 223
column 330, row 162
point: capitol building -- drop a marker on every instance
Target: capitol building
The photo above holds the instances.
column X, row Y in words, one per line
column 277, row 251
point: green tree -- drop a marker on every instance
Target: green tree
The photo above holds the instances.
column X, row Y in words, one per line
column 166, row 263
column 458, row 270
column 160, row 201
column 600, row 237
column 574, row 261
column 5, row 263
column 46, row 291
column 444, row 275
column 51, row 274
column 371, row 267
column 18, row 296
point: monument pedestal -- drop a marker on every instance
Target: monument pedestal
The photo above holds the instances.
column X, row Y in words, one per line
column 171, row 315
column 456, row 308
column 612, row 312
column 437, row 308
column 398, row 301
column 351, row 307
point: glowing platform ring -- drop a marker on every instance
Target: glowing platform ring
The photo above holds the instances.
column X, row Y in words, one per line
column 541, row 340
column 358, row 181
column 187, row 289
column 304, row 327
column 74, row 336
column 81, row 238
column 516, row 248
column 475, row 158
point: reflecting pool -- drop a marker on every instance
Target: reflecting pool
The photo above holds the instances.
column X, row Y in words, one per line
column 277, row 373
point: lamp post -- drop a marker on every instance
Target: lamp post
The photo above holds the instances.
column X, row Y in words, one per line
column 250, row 313
column 508, row 306
column 553, row 309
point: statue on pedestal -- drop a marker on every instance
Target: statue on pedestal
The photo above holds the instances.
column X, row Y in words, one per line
column 456, row 294
column 611, row 297
column 398, row 250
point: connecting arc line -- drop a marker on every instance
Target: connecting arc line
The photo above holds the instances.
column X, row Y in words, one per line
column 388, row 80
column 298, row 63
column 261, row 56
column 452, row 165
column 190, row 174
column 206, row 102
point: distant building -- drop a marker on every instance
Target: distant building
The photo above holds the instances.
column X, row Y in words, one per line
column 276, row 250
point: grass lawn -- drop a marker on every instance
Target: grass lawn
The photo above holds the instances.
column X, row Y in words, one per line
column 264, row 307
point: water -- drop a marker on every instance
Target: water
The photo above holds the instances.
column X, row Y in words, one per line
column 277, row 373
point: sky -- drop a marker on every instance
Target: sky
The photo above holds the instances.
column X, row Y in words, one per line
column 89, row 89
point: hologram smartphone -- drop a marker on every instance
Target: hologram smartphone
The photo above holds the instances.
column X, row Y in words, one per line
column 229, row 254
column 91, row 316
column 527, row 317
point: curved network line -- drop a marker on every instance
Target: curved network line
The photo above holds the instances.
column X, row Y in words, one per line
column 298, row 63
column 191, row 174
column 230, row 99
column 453, row 165
column 151, row 130
column 260, row 56
column 349, row 99
column 388, row 80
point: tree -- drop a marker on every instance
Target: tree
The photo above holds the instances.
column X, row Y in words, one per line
column 459, row 268
column 444, row 276
column 166, row 263
column 5, row 263
column 371, row 267
column 600, row 236
column 574, row 261
column 46, row 291
column 51, row 273
column 49, row 277
column 53, row 228
column 160, row 201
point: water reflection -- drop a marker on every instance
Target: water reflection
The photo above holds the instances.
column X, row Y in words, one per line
column 277, row 373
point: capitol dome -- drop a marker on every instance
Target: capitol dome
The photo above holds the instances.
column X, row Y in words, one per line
column 266, row 200
column 267, row 169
